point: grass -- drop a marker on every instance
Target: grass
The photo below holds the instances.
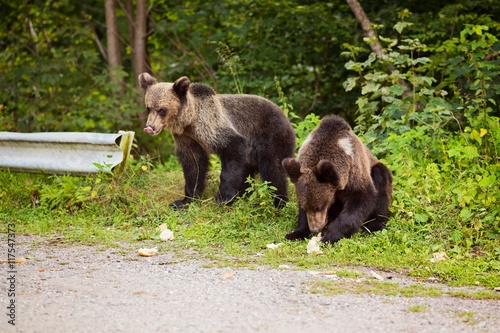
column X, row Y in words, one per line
column 418, row 308
column 128, row 209
column 394, row 289
column 468, row 317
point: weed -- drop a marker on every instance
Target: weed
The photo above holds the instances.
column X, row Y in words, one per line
column 417, row 308
column 327, row 287
column 467, row 317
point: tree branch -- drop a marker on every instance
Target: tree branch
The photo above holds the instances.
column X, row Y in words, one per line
column 96, row 38
column 366, row 26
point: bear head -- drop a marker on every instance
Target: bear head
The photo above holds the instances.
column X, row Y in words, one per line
column 316, row 188
column 165, row 103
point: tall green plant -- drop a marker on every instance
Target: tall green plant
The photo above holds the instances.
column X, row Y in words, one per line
column 437, row 129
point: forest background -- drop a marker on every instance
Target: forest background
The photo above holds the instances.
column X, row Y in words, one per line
column 419, row 81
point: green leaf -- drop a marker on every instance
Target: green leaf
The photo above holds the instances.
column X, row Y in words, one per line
column 474, row 135
column 470, row 152
column 487, row 181
column 353, row 66
column 422, row 60
column 397, row 89
column 350, row 83
column 401, row 25
column 465, row 213
column 370, row 87
column 421, row 217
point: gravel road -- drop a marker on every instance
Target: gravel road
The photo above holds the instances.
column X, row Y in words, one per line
column 62, row 288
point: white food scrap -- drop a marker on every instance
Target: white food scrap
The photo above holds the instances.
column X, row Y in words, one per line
column 147, row 252
column 313, row 247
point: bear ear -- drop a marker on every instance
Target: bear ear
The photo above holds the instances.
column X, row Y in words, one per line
column 146, row 80
column 292, row 168
column 325, row 172
column 181, row 86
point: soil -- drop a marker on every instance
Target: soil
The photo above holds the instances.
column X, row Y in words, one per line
column 64, row 288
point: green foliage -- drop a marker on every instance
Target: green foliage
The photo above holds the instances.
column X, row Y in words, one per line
column 53, row 78
column 54, row 72
column 232, row 62
column 428, row 108
column 130, row 207
column 441, row 139
column 297, row 43
column 259, row 191
column 302, row 127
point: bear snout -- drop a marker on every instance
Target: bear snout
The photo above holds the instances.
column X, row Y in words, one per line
column 317, row 220
column 150, row 130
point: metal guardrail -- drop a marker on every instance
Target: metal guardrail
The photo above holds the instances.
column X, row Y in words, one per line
column 65, row 152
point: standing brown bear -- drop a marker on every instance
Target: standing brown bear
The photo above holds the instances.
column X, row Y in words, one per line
column 340, row 185
column 250, row 134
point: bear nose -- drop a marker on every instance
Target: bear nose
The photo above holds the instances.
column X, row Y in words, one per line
column 149, row 129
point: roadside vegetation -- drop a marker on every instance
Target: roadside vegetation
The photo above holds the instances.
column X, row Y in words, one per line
column 429, row 111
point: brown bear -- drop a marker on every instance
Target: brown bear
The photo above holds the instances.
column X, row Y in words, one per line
column 249, row 133
column 340, row 185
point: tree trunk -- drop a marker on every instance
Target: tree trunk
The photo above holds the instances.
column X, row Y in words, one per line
column 114, row 53
column 366, row 26
column 129, row 13
column 375, row 45
column 139, row 60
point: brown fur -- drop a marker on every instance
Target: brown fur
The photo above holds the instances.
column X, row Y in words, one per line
column 339, row 183
column 248, row 132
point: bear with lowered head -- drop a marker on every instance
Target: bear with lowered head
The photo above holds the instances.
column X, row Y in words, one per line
column 340, row 185
column 249, row 133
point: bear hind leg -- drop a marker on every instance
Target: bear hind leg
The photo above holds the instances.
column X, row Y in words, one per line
column 382, row 178
column 234, row 169
column 274, row 173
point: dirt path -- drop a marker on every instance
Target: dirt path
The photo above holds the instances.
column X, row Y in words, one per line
column 88, row 289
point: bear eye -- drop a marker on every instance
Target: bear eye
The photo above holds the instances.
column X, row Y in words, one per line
column 162, row 112
column 148, row 110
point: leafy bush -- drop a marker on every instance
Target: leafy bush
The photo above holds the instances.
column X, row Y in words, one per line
column 440, row 138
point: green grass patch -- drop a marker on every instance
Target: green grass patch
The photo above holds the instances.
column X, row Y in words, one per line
column 129, row 208
column 328, row 288
column 468, row 317
column 418, row 308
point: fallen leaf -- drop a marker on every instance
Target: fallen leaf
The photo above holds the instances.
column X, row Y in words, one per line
column 40, row 270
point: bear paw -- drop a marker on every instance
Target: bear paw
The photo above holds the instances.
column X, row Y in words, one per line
column 297, row 235
column 329, row 237
column 179, row 204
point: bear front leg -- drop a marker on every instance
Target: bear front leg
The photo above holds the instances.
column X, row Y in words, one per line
column 355, row 211
column 234, row 171
column 194, row 161
column 302, row 231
